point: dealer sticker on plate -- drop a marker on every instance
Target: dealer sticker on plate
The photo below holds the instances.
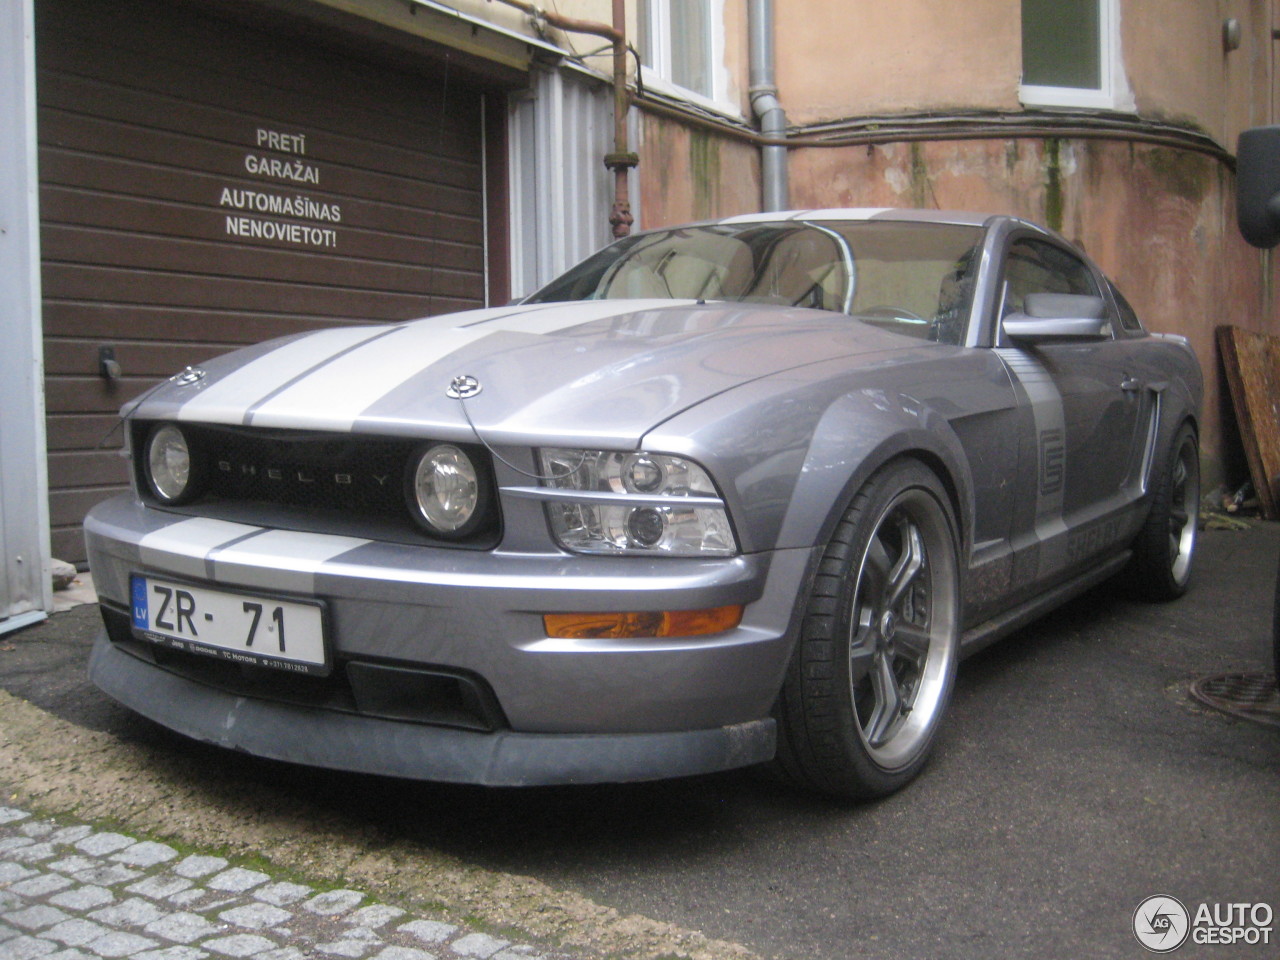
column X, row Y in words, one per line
column 269, row 632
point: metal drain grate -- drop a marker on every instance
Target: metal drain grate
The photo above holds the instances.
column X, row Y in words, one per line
column 1253, row 696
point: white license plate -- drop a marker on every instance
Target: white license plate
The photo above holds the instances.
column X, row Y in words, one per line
column 266, row 631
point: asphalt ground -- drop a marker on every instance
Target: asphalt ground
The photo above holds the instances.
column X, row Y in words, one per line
column 1075, row 778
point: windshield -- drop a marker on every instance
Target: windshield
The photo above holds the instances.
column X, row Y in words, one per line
column 914, row 278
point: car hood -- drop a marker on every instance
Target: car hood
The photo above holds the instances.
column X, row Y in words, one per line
column 556, row 372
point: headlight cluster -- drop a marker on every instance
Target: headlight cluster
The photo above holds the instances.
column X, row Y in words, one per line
column 645, row 503
column 446, row 491
column 172, row 471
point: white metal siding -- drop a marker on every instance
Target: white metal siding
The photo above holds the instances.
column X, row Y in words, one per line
column 561, row 192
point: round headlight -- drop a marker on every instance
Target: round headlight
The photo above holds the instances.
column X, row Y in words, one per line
column 169, row 464
column 446, row 491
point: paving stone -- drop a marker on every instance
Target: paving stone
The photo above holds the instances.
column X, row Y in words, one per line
column 13, row 843
column 40, row 886
column 76, row 932
column 12, row 815
column 354, row 949
column 196, row 866
column 403, row 953
column 284, row 953
column 70, row 953
column 72, row 864
column 237, row 880
column 33, row 853
column 255, row 916
column 36, row 918
column 282, row 894
column 240, row 945
column 101, row 844
column 27, row 948
column 69, row 835
column 83, row 898
column 146, row 854
column 107, row 876
column 36, row 828
column 375, row 915
column 134, row 912
column 183, row 927
column 334, row 902
column 479, row 945
column 7, row 932
column 119, row 944
column 159, row 887
column 172, row 953
column 429, row 931
column 12, row 872
column 8, row 901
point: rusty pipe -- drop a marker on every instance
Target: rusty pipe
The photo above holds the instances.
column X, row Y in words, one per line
column 621, row 160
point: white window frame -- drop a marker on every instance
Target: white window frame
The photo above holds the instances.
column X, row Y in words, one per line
column 1112, row 92
column 657, row 76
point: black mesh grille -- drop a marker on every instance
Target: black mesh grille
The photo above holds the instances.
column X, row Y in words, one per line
column 314, row 481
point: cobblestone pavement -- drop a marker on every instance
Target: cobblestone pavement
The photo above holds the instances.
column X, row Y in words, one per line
column 70, row 892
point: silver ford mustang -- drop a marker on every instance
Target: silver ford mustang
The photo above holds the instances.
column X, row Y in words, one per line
column 736, row 492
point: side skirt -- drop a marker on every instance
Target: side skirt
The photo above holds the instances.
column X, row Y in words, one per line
column 1001, row 625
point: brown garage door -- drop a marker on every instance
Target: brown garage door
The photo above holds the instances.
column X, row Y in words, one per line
column 205, row 184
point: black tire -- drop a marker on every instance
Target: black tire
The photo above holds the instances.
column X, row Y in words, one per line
column 1165, row 546
column 875, row 662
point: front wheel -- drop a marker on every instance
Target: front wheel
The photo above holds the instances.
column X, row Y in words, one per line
column 872, row 672
column 1163, row 551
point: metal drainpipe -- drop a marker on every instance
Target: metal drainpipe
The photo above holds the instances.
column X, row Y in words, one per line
column 763, row 91
column 622, row 159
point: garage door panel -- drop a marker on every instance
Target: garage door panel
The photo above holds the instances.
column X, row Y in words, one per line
column 257, row 260
column 229, row 328
column 150, row 183
column 419, row 156
column 75, row 207
column 78, row 281
column 233, row 166
column 358, row 103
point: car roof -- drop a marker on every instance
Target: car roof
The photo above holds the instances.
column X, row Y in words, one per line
column 959, row 217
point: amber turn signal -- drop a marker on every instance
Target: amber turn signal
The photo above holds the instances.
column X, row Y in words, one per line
column 657, row 623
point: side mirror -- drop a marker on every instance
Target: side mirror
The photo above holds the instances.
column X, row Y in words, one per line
column 1258, row 185
column 1059, row 316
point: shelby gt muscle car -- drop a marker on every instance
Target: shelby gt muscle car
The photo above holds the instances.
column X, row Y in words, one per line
column 730, row 493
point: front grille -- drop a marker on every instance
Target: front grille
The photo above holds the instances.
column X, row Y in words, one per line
column 320, row 482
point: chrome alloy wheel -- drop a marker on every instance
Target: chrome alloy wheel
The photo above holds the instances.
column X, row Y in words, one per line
column 902, row 629
column 1184, row 508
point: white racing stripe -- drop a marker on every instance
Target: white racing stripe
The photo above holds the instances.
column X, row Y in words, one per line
column 280, row 560
column 336, row 394
column 181, row 548
column 226, row 400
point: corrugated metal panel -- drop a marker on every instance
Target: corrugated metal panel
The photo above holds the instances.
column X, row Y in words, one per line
column 25, row 588
column 205, row 184
column 561, row 192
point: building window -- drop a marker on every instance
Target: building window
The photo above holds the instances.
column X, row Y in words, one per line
column 682, row 48
column 1071, row 54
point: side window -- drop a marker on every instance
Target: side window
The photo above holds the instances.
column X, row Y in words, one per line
column 1128, row 316
column 1034, row 266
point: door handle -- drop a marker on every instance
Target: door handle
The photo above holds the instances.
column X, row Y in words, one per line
column 1130, row 385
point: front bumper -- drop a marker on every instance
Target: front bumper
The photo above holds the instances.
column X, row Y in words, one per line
column 568, row 711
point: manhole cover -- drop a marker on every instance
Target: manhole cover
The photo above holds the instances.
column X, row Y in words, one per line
column 1253, row 696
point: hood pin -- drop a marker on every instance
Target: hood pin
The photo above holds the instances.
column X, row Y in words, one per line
column 463, row 387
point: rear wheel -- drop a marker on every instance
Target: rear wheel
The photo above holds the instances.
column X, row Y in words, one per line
column 1164, row 549
column 873, row 669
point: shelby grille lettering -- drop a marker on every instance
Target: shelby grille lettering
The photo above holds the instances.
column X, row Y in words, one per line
column 301, row 476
